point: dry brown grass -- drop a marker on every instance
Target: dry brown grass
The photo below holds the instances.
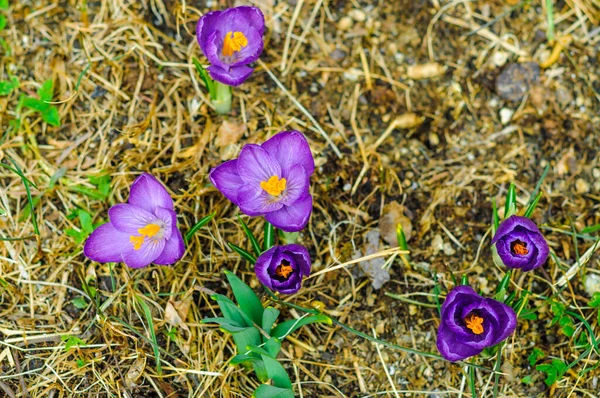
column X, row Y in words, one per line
column 140, row 107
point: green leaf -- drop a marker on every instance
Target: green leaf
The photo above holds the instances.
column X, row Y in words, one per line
column 250, row 336
column 148, row 315
column 232, row 311
column 527, row 379
column 7, row 86
column 71, row 341
column 269, row 236
column 46, row 91
column 208, row 81
column 590, row 229
column 273, row 346
column 464, row 280
column 566, row 324
column 269, row 391
column 502, row 287
column 102, row 183
column 51, row 116
column 247, row 256
column 270, row 315
column 495, row 218
column 79, row 302
column 535, row 356
column 595, row 301
column 86, row 221
column 35, row 104
column 287, row 327
column 276, row 372
column 400, row 237
column 510, row 207
column 3, row 4
column 246, row 298
column 203, row 221
column 253, row 241
column 2, row 22
column 288, row 238
column 533, row 204
column 241, row 358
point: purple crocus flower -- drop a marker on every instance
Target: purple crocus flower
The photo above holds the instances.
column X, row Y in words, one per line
column 281, row 268
column 520, row 244
column 271, row 180
column 141, row 232
column 471, row 323
column 231, row 39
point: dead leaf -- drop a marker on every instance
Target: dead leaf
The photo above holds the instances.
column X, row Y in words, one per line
column 425, row 71
column 136, row 370
column 393, row 214
column 173, row 318
column 229, row 133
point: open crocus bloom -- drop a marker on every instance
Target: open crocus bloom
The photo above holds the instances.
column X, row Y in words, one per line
column 520, row 244
column 231, row 39
column 271, row 180
column 281, row 268
column 470, row 323
column 141, row 232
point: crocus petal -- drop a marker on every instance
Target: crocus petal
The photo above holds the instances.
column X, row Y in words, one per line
column 290, row 148
column 169, row 219
column 252, row 51
column 174, row 249
column 292, row 218
column 145, row 255
column 205, row 27
column 512, row 260
column 511, row 223
column 451, row 348
column 235, row 76
column 261, row 267
column 105, row 244
column 297, row 184
column 256, row 202
column 148, row 193
column 301, row 257
column 543, row 250
column 130, row 218
column 226, row 179
column 507, row 319
column 255, row 165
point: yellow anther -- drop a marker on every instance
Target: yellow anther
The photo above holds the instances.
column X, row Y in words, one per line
column 283, row 270
column 274, row 186
column 149, row 230
column 233, row 42
column 137, row 241
column 519, row 248
column 474, row 323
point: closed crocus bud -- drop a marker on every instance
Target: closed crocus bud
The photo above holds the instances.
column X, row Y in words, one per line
column 470, row 323
column 518, row 243
column 282, row 268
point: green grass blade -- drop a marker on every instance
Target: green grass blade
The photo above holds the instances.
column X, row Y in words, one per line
column 269, row 236
column 253, row 241
column 26, row 183
column 154, row 342
column 533, row 204
column 203, row 221
column 249, row 257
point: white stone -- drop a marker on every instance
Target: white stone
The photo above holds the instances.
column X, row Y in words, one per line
column 505, row 115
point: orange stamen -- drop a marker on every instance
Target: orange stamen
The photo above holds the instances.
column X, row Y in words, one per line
column 520, row 248
column 474, row 323
column 233, row 42
column 284, row 270
column 274, row 186
column 149, row 231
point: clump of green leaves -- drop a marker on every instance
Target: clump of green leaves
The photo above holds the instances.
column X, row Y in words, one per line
column 554, row 370
column 43, row 105
column 101, row 190
column 87, row 227
column 256, row 337
column 564, row 320
column 595, row 303
column 7, row 86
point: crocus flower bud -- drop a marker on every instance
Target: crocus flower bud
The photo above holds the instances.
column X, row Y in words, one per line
column 281, row 268
column 518, row 243
column 470, row 323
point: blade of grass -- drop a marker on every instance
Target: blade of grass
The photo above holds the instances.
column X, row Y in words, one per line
column 550, row 19
column 269, row 236
column 249, row 257
column 533, row 205
column 153, row 341
column 26, row 183
column 203, row 221
column 253, row 241
column 538, row 186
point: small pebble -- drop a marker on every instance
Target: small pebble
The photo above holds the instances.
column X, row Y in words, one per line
column 434, row 140
column 500, row 58
column 412, row 309
column 345, row 23
column 357, row 15
column 582, row 186
column 592, row 284
column 506, row 115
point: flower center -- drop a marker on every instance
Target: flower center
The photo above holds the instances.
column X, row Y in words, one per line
column 474, row 323
column 284, row 270
column 233, row 42
column 149, row 231
column 518, row 247
column 274, row 186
